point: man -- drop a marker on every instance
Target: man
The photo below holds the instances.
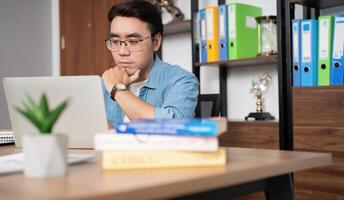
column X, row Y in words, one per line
column 141, row 86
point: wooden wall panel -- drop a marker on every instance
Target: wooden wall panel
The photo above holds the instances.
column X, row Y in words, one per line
column 319, row 107
column 323, row 183
column 318, row 195
column 319, row 139
column 251, row 134
column 327, row 180
column 319, row 126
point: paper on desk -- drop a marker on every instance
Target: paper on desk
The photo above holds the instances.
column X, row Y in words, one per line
column 13, row 163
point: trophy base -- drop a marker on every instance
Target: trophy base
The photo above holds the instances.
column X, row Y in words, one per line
column 260, row 116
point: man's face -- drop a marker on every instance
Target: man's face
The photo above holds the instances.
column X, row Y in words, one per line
column 132, row 30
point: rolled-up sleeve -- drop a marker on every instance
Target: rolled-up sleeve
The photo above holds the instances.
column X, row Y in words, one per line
column 180, row 98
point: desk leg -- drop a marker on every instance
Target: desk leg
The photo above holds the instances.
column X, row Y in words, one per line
column 280, row 188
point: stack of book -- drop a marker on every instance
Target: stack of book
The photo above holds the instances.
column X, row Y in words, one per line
column 163, row 143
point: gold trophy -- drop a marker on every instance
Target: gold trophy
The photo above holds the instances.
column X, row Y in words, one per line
column 258, row 88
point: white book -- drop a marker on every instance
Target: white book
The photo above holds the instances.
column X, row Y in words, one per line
column 137, row 142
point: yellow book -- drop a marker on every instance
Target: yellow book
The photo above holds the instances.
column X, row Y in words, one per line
column 113, row 160
column 212, row 22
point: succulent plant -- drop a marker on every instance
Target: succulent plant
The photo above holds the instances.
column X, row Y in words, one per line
column 40, row 115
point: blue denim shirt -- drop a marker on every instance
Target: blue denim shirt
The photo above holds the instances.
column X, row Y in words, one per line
column 172, row 90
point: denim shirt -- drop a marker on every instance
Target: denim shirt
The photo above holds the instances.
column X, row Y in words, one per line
column 172, row 90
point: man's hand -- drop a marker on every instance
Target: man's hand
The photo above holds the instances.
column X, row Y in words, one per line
column 117, row 75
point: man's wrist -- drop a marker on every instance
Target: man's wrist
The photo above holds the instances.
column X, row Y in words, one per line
column 117, row 87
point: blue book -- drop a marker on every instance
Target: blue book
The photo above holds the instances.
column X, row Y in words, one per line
column 181, row 127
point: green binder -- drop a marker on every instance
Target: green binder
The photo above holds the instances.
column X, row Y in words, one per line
column 325, row 49
column 242, row 30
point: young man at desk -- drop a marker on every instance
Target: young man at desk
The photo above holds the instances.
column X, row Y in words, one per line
column 141, row 85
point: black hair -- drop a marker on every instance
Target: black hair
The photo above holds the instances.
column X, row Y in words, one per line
column 140, row 9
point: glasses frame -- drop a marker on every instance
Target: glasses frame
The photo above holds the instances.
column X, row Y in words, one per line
column 125, row 42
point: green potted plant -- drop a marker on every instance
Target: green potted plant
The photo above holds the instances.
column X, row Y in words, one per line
column 45, row 153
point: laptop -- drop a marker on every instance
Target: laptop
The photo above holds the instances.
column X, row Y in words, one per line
column 84, row 116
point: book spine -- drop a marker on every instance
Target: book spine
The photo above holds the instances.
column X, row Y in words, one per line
column 113, row 160
column 194, row 129
column 131, row 142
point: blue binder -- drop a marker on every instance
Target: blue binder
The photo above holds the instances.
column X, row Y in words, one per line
column 309, row 52
column 203, row 36
column 337, row 68
column 296, row 46
column 223, row 32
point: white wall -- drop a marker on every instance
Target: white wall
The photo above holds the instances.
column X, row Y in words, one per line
column 25, row 43
column 177, row 50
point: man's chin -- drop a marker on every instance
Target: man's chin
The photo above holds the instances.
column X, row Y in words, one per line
column 131, row 71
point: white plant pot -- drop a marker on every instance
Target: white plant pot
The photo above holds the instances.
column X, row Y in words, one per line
column 45, row 155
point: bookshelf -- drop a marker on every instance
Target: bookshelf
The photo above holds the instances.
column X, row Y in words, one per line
column 311, row 118
column 286, row 10
column 177, row 27
column 223, row 65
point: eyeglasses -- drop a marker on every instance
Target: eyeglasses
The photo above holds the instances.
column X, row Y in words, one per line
column 131, row 44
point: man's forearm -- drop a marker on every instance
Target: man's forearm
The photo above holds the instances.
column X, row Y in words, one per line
column 134, row 107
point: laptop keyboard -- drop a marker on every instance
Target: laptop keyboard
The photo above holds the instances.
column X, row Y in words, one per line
column 6, row 136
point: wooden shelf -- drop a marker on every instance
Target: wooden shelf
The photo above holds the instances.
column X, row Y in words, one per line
column 318, row 107
column 320, row 4
column 256, row 122
column 251, row 134
column 177, row 27
column 261, row 60
column 332, row 87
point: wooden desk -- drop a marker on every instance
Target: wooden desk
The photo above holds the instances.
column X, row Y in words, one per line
column 247, row 170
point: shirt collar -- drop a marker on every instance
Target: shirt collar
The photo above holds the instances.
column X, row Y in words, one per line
column 154, row 75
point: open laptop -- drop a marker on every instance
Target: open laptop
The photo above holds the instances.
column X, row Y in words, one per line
column 84, row 116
